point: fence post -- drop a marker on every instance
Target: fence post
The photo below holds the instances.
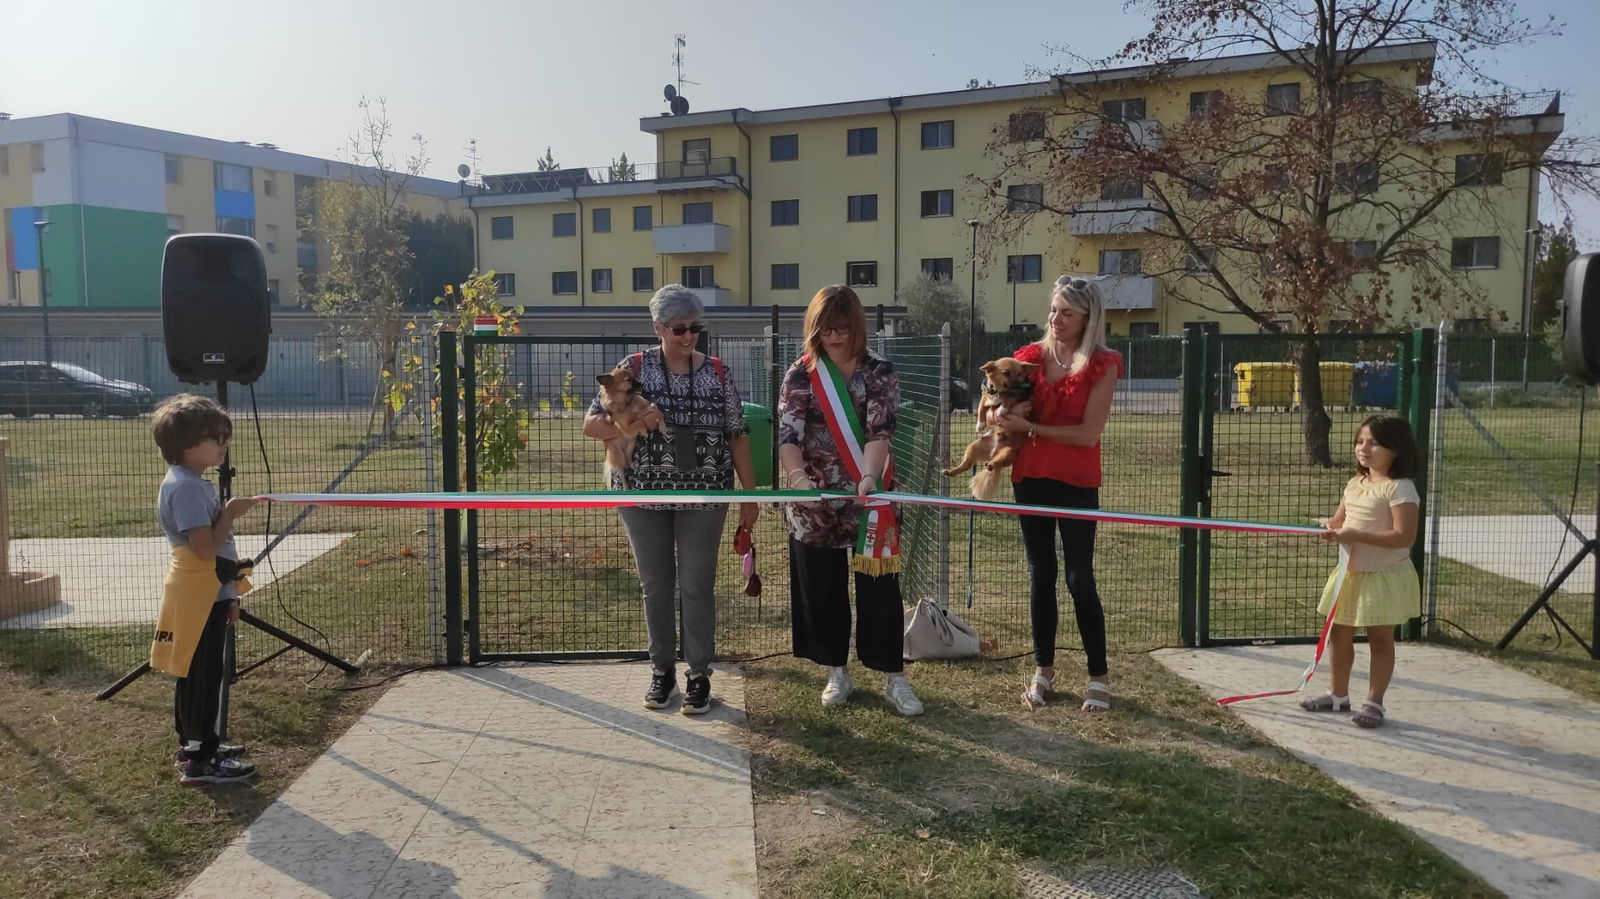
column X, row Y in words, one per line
column 942, row 455
column 1435, row 482
column 450, row 425
column 431, row 483
column 1493, row 344
column 1420, row 378
column 1193, row 407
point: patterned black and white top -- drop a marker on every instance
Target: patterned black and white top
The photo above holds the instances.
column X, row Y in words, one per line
column 703, row 414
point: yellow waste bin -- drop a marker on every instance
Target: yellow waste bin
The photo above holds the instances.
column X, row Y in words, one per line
column 1264, row 384
column 1337, row 378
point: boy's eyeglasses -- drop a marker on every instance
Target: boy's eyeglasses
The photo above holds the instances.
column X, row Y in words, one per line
column 680, row 330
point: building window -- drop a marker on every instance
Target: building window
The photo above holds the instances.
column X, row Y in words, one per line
column 1122, row 189
column 1363, row 249
column 1471, row 326
column 1144, row 329
column 1120, row 262
column 505, row 284
column 269, row 188
column 862, row 208
column 641, row 218
column 601, row 220
column 786, row 276
column 644, row 279
column 174, row 225
column 1362, row 93
column 1199, row 262
column 174, row 169
column 783, row 147
column 500, row 228
column 1341, row 326
column 861, row 142
column 698, row 276
column 1479, row 169
column 697, row 213
column 861, row 274
column 563, row 282
column 938, row 203
column 1277, row 178
column 1203, row 185
column 785, row 212
column 697, row 152
column 1283, row 99
column 1356, row 177
column 564, row 224
column 1130, row 109
column 939, row 267
column 1022, row 269
column 36, row 156
column 938, row 135
column 1025, row 126
column 272, row 238
column 230, row 225
column 232, row 177
column 600, row 280
column 5, row 162
column 1208, row 327
column 1024, row 197
column 273, row 296
column 1203, row 103
column 1475, row 252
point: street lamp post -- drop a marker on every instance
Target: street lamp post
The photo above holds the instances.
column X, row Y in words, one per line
column 972, row 319
column 44, row 287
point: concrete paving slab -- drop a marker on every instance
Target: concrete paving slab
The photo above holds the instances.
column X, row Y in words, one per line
column 548, row 781
column 118, row 580
column 1496, row 768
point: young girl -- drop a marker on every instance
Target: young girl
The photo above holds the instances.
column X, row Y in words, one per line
column 1376, row 523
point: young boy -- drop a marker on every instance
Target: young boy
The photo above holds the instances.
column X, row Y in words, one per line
column 192, row 632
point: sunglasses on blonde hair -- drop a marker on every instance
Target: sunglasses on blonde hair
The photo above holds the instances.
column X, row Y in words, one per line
column 1072, row 282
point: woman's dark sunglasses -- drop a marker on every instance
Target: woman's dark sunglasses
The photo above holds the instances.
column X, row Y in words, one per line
column 680, row 330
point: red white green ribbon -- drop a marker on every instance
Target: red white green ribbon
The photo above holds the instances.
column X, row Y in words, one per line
column 877, row 535
column 1170, row 521
column 1322, row 638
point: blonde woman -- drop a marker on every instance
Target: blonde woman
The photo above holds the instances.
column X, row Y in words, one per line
column 1059, row 465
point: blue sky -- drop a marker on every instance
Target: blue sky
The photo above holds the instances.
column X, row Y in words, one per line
column 520, row 76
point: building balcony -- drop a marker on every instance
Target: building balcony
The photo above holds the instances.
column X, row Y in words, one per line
column 1144, row 134
column 1130, row 291
column 713, row 296
column 709, row 237
column 1111, row 217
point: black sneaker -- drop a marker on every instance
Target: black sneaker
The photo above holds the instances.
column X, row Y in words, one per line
column 224, row 751
column 217, row 771
column 697, row 695
column 662, row 685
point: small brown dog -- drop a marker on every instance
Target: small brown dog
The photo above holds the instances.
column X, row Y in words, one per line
column 620, row 398
column 1005, row 384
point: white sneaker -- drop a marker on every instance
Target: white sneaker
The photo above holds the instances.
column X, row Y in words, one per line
column 899, row 693
column 838, row 689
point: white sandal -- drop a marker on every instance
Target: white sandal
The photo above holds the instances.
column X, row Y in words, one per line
column 1034, row 696
column 1091, row 704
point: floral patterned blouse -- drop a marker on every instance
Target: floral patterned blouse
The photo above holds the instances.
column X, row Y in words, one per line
column 694, row 452
column 875, row 392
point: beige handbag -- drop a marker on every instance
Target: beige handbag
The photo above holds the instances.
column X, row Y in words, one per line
column 935, row 633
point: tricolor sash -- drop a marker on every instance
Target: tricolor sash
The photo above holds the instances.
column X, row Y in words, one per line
column 878, row 535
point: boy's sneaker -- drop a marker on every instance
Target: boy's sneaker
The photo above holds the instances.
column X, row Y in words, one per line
column 217, row 771
column 697, row 695
column 224, row 751
column 838, row 689
column 662, row 685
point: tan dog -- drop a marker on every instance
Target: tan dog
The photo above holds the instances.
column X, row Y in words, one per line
column 620, row 398
column 1005, row 384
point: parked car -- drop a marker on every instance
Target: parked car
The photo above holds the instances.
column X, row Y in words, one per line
column 60, row 388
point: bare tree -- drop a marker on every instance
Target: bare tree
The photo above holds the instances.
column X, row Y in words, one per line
column 1325, row 197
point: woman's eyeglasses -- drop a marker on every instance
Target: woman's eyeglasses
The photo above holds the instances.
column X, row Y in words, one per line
column 680, row 330
column 841, row 330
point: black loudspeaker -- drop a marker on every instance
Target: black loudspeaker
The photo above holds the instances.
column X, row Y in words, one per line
column 1580, row 319
column 215, row 310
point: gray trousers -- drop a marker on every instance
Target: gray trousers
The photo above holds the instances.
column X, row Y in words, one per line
column 677, row 550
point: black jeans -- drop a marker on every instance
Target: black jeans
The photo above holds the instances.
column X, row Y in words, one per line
column 1077, row 545
column 200, row 700
column 819, row 606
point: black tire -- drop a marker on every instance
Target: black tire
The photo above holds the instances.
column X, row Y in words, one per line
column 93, row 410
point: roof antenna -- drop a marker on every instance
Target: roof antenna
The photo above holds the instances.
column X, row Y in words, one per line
column 676, row 101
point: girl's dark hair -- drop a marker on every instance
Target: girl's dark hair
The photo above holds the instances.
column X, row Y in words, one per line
column 1393, row 433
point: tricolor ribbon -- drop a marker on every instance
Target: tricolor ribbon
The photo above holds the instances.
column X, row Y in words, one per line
column 1322, row 638
column 877, row 535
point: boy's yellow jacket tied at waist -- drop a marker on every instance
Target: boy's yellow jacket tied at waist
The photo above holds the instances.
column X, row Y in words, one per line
column 190, row 590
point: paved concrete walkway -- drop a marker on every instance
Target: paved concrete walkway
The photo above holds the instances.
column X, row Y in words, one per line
column 1497, row 769
column 547, row 780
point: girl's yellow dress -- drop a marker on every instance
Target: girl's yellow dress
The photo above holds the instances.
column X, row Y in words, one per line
column 1381, row 585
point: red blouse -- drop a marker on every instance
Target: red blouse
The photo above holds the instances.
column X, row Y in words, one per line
column 1063, row 403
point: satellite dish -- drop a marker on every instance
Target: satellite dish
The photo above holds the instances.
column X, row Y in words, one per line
column 669, row 92
column 680, row 106
column 462, row 170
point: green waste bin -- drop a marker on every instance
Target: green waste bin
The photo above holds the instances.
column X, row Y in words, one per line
column 759, row 420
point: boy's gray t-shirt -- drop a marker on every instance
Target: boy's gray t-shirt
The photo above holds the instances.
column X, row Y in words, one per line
column 188, row 501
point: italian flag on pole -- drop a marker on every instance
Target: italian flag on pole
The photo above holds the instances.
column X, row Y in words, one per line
column 486, row 325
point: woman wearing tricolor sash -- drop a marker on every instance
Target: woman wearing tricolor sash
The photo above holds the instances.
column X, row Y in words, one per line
column 836, row 416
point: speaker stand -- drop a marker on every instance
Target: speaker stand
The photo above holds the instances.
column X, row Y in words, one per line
column 1590, row 547
column 225, row 473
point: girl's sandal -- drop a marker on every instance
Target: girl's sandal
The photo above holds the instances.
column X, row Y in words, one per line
column 1327, row 702
column 1097, row 704
column 1370, row 716
column 1038, row 689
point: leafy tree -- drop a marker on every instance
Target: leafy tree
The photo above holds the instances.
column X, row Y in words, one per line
column 931, row 302
column 441, row 248
column 1557, row 248
column 622, row 170
column 547, row 163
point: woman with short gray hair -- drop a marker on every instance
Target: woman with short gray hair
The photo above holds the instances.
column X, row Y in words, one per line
column 704, row 443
